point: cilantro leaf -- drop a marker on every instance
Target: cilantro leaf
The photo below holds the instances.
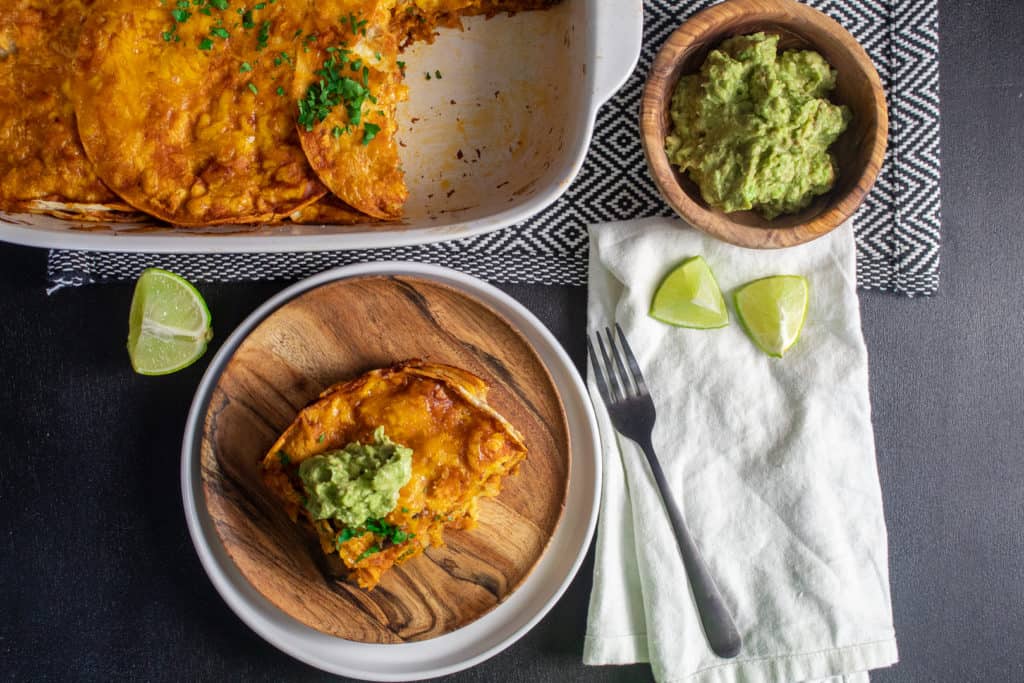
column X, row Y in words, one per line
column 370, row 132
column 369, row 551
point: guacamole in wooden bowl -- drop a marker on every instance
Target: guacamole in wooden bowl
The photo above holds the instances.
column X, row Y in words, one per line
column 763, row 123
column 753, row 128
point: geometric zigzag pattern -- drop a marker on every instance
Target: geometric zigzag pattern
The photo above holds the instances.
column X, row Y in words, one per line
column 897, row 227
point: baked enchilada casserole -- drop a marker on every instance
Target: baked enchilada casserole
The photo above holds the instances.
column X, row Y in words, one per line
column 206, row 112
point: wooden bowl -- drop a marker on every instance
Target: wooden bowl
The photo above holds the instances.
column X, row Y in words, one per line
column 858, row 151
column 340, row 330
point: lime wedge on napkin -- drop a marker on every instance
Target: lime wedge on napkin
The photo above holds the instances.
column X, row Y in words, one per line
column 690, row 297
column 772, row 311
column 169, row 323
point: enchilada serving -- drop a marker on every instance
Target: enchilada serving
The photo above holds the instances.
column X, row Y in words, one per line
column 454, row 450
column 191, row 111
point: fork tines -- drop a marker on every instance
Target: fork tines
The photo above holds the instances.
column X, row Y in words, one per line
column 613, row 380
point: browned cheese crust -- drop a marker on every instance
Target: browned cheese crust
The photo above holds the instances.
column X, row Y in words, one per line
column 364, row 50
column 187, row 134
column 418, row 20
column 43, row 167
column 113, row 109
column 329, row 210
column 462, row 449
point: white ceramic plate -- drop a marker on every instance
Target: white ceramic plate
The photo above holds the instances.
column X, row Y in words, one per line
column 482, row 638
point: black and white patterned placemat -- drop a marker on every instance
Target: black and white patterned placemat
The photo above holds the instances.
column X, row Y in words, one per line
column 897, row 228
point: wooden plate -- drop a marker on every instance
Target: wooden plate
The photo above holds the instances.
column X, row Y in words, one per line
column 338, row 331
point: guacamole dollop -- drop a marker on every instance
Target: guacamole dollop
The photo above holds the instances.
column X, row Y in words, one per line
column 753, row 128
column 359, row 482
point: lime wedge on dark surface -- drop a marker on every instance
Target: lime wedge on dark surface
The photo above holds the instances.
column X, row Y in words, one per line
column 169, row 323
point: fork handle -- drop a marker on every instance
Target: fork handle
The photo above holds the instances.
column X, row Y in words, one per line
column 718, row 624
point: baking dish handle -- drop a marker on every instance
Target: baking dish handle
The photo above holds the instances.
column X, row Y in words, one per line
column 618, row 34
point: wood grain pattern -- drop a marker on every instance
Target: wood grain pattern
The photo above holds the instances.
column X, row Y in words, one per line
column 338, row 331
column 859, row 151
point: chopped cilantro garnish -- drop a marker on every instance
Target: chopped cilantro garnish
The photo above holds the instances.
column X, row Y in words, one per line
column 370, row 132
column 401, row 65
column 205, row 44
column 389, row 532
column 347, row 534
column 336, row 131
column 377, row 56
column 310, row 38
column 320, row 439
column 247, row 21
column 259, row 5
column 358, row 25
column 252, row 86
column 280, row 90
column 282, row 58
column 366, row 553
column 168, row 35
column 264, row 35
column 377, row 526
column 331, row 90
column 283, row 457
column 220, row 32
column 298, row 32
column 405, row 510
column 181, row 15
column 219, row 4
column 246, row 67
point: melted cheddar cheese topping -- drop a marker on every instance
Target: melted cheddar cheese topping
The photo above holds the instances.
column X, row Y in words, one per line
column 186, row 110
column 41, row 158
column 462, row 449
column 186, row 133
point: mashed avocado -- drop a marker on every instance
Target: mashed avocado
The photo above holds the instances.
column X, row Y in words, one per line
column 754, row 126
column 359, row 482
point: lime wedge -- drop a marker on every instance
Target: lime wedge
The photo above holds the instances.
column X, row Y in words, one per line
column 169, row 324
column 772, row 311
column 690, row 297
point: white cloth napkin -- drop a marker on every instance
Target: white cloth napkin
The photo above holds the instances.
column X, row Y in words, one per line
column 772, row 462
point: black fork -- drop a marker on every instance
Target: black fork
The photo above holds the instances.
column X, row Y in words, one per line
column 632, row 413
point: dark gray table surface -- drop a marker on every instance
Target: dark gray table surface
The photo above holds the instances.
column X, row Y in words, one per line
column 98, row 579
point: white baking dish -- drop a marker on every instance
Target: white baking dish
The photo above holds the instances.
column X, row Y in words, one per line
column 496, row 139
